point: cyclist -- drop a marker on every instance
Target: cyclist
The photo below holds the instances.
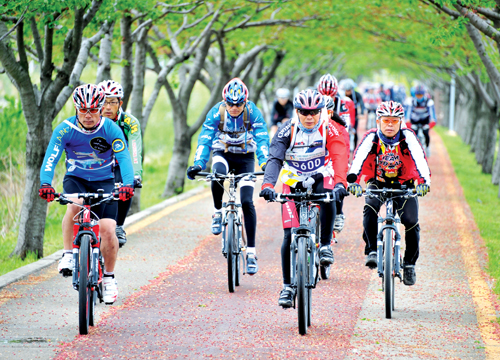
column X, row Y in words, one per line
column 235, row 129
column 312, row 142
column 91, row 142
column 420, row 110
column 348, row 86
column 131, row 129
column 281, row 111
column 391, row 156
column 340, row 113
column 371, row 100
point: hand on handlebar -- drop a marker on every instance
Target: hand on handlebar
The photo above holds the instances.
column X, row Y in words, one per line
column 268, row 193
column 47, row 192
column 422, row 189
column 192, row 171
column 137, row 182
column 339, row 192
column 126, row 192
column 355, row 189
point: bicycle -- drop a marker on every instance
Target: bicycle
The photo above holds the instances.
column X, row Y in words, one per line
column 88, row 262
column 233, row 236
column 389, row 257
column 419, row 130
column 304, row 252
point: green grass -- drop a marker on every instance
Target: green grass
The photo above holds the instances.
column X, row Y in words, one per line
column 481, row 195
column 158, row 142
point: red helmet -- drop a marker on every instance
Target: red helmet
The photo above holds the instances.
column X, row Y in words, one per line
column 309, row 99
column 88, row 96
column 328, row 85
column 390, row 108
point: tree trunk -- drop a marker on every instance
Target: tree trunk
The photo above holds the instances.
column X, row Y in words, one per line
column 486, row 141
column 178, row 164
column 126, row 56
column 495, row 176
column 104, row 67
column 34, row 209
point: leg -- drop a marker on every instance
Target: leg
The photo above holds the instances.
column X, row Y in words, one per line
column 370, row 230
column 109, row 243
column 286, row 294
column 220, row 166
column 326, row 216
column 408, row 213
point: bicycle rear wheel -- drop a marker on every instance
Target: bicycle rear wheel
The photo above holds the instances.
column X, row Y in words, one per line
column 388, row 274
column 302, row 277
column 84, row 297
column 231, row 249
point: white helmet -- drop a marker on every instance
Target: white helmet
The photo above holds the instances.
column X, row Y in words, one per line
column 283, row 93
column 111, row 88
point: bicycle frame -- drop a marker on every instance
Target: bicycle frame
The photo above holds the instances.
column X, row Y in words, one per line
column 231, row 206
column 392, row 222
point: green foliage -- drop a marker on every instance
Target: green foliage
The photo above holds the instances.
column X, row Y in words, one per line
column 481, row 195
column 13, row 126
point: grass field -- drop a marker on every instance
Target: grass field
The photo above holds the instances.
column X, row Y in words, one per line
column 158, row 141
column 481, row 195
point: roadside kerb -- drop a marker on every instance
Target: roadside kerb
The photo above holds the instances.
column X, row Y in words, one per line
column 18, row 274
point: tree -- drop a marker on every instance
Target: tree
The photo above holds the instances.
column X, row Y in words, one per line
column 42, row 101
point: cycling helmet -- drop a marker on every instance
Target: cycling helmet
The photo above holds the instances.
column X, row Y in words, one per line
column 235, row 91
column 111, row 88
column 283, row 93
column 308, row 100
column 328, row 85
column 348, row 84
column 88, row 96
column 390, row 108
column 420, row 90
column 329, row 104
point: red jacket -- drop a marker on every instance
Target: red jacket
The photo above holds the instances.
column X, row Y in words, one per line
column 401, row 162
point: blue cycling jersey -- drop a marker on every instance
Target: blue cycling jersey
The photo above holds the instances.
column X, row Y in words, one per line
column 88, row 156
column 234, row 137
column 420, row 111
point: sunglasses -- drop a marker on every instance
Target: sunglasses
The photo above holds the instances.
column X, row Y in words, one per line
column 309, row 112
column 240, row 104
column 391, row 121
column 112, row 103
column 86, row 111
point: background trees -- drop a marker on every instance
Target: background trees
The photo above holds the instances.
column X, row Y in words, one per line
column 45, row 46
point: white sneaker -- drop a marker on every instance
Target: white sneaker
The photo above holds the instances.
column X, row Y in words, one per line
column 110, row 287
column 338, row 225
column 66, row 265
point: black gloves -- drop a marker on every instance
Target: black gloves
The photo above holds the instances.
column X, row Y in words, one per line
column 192, row 171
column 268, row 193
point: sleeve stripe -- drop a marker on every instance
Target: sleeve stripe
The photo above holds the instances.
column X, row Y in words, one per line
column 361, row 153
column 418, row 156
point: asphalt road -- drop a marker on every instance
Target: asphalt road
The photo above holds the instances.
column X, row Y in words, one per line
column 174, row 302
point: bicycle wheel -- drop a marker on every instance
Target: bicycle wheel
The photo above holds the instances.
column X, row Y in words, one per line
column 84, row 296
column 230, row 248
column 96, row 267
column 312, row 278
column 239, row 255
column 302, row 277
column 388, row 274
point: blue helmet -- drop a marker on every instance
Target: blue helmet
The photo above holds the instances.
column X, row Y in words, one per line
column 235, row 92
column 420, row 90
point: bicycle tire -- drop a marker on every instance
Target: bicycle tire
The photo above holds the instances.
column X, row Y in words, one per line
column 311, row 277
column 302, row 276
column 239, row 256
column 231, row 258
column 84, row 286
column 94, row 292
column 388, row 273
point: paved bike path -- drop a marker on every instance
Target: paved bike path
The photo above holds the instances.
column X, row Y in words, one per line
column 186, row 311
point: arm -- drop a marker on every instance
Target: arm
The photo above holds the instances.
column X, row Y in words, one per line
column 53, row 154
column 408, row 108
column 361, row 102
column 432, row 110
column 361, row 154
column 418, row 158
column 119, row 148
column 135, row 143
column 259, row 129
column 206, row 137
column 336, row 147
column 279, row 145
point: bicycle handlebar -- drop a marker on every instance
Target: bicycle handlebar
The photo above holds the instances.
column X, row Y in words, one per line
column 217, row 176
column 304, row 196
column 64, row 198
column 390, row 192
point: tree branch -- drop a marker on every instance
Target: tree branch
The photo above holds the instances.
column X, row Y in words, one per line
column 87, row 18
column 23, row 60
column 442, row 8
column 36, row 39
column 479, row 23
column 15, row 26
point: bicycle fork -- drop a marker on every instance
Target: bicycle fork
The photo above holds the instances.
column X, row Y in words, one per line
column 395, row 243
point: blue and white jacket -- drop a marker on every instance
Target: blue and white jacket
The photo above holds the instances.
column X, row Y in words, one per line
column 234, row 137
column 88, row 156
column 422, row 111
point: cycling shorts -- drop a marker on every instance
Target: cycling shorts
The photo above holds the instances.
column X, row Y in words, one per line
column 73, row 184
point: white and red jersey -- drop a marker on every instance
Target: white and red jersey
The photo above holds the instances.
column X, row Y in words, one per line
column 302, row 155
column 398, row 163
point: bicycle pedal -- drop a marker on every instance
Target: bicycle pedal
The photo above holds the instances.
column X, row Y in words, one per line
column 243, row 249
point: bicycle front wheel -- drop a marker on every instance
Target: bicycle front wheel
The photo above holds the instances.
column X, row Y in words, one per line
column 84, row 290
column 388, row 274
column 231, row 252
column 302, row 277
